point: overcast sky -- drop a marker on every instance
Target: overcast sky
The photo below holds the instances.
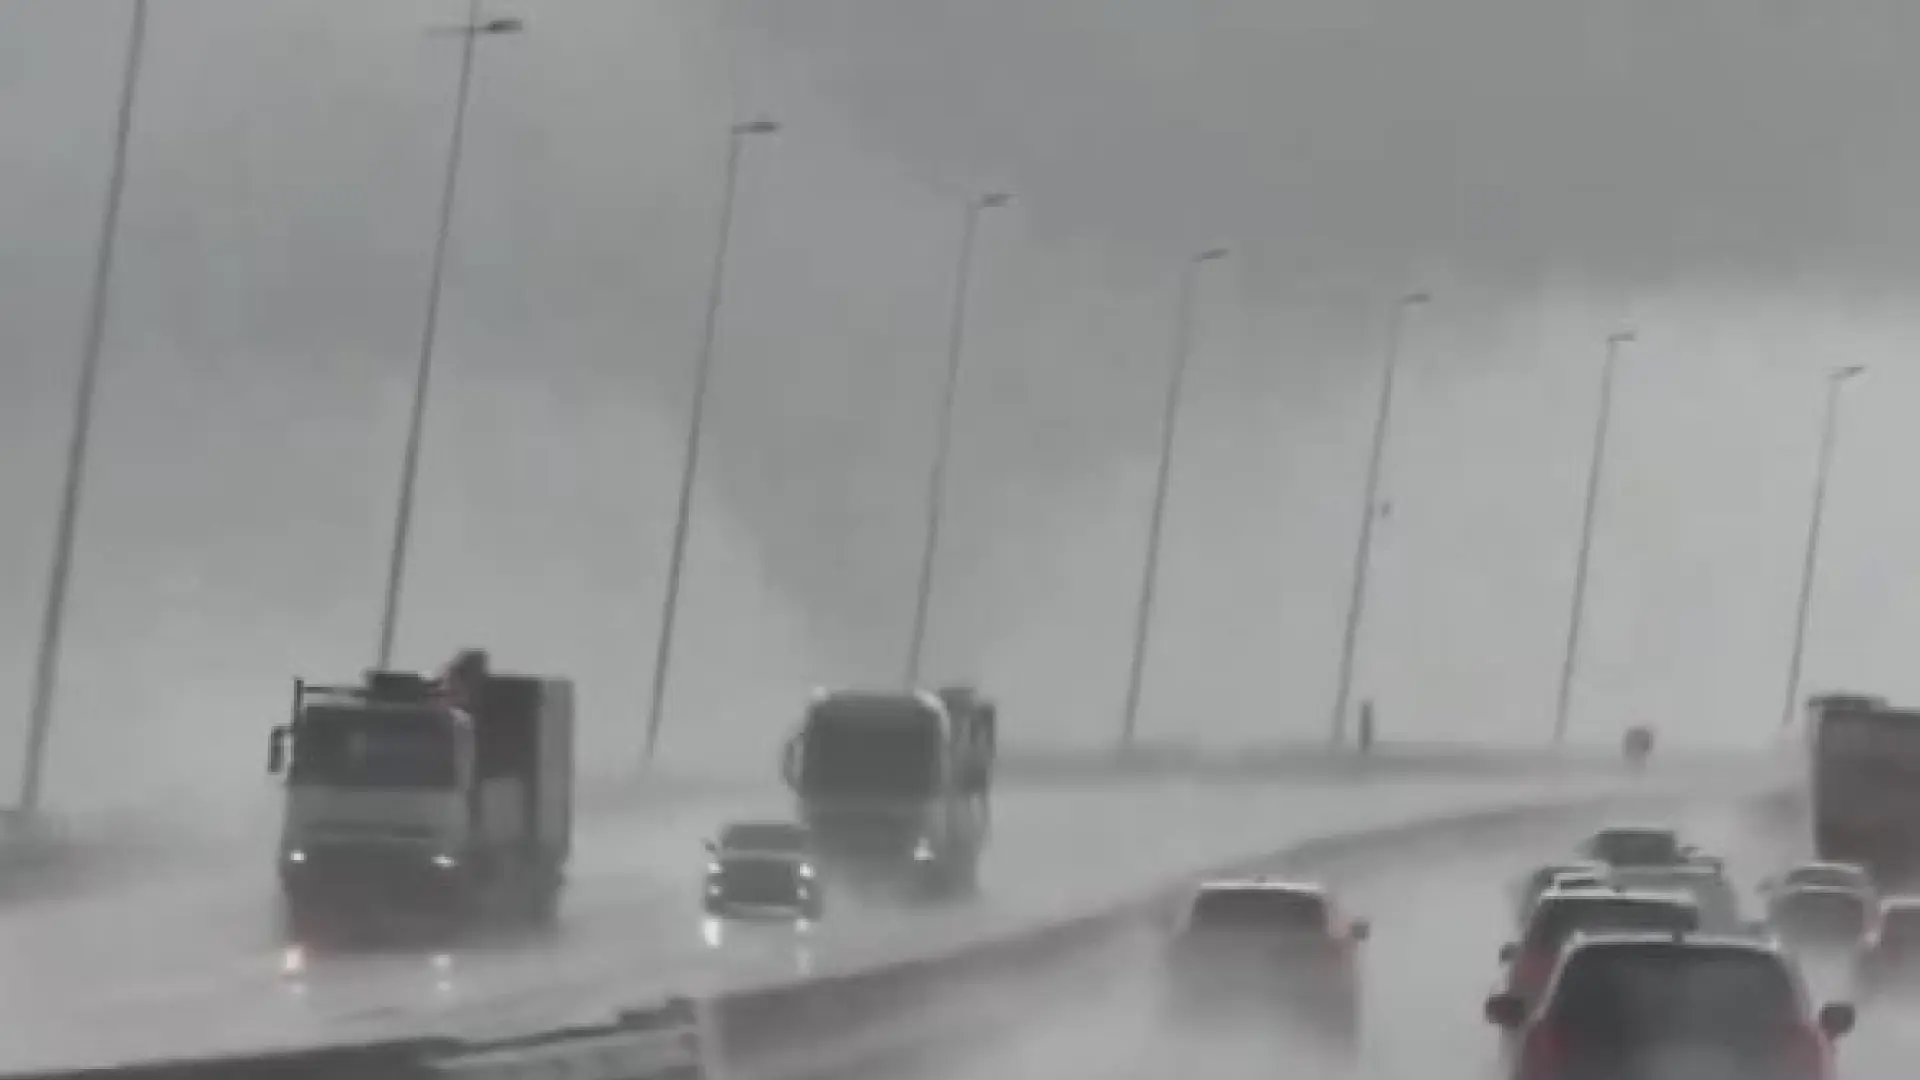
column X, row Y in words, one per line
column 1732, row 178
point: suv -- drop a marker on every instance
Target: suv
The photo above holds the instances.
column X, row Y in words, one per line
column 1561, row 913
column 1637, row 845
column 1822, row 915
column 1645, row 1006
column 1257, row 946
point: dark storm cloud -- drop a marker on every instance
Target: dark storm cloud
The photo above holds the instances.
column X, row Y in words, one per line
column 1638, row 140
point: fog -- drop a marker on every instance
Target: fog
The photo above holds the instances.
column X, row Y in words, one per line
column 1731, row 179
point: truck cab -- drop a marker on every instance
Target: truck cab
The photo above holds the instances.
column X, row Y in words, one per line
column 408, row 797
column 893, row 786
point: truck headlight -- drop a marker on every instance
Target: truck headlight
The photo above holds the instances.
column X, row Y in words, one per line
column 923, row 850
column 445, row 861
column 805, row 871
column 296, row 856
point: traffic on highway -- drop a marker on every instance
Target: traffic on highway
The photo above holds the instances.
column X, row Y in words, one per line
column 855, row 555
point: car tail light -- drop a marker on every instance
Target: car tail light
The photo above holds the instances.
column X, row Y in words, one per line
column 1808, row 1054
column 1541, row 1054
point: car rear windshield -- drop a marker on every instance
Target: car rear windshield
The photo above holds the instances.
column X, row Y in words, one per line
column 1828, row 911
column 763, row 836
column 1640, row 847
column 1559, row 918
column 1633, row 994
column 1259, row 909
column 1712, row 894
column 1900, row 929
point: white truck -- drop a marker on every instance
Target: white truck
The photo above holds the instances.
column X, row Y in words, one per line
column 444, row 802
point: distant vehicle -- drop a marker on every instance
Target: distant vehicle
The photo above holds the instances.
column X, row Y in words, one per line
column 1889, row 958
column 1637, row 845
column 762, row 870
column 1561, row 913
column 1563, row 872
column 1636, row 746
column 431, row 802
column 1655, row 1006
column 1716, row 897
column 1821, row 916
column 1838, row 875
column 894, row 786
column 1865, row 782
column 1266, row 951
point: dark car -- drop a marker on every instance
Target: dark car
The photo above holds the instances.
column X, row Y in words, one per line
column 1889, row 958
column 1822, row 916
column 1637, row 845
column 762, row 870
column 1561, row 913
column 1262, row 951
column 1562, row 871
column 1664, row 1006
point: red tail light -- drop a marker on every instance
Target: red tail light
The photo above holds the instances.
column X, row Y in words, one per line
column 1541, row 1054
column 1808, row 1054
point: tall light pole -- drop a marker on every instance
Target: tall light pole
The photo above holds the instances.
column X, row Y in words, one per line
column 470, row 34
column 1369, row 512
column 1829, row 436
column 943, row 440
column 46, row 669
column 1596, row 466
column 737, row 136
column 1156, row 520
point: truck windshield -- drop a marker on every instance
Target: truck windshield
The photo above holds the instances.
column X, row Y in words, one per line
column 865, row 752
column 374, row 748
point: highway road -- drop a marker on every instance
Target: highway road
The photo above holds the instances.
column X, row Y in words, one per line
column 192, row 966
column 1439, row 915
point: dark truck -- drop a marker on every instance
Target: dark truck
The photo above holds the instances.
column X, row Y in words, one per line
column 894, row 786
column 437, row 803
column 1864, row 783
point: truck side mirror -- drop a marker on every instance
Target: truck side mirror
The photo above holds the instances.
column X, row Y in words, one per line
column 1508, row 952
column 790, row 763
column 1836, row 1019
column 1506, row 1011
column 712, row 848
column 277, row 750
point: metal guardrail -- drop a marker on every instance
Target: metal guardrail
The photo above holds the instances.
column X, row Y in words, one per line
column 662, row 1043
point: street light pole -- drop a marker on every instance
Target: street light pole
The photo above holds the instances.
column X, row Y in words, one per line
column 1829, row 435
column 1576, row 616
column 470, row 35
column 1370, row 510
column 1156, row 521
column 943, row 443
column 696, row 422
column 46, row 670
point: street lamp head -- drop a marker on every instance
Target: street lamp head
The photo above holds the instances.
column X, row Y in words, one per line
column 1415, row 299
column 1842, row 374
column 761, row 126
column 1623, row 337
column 507, row 25
column 994, row 200
column 1211, row 254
